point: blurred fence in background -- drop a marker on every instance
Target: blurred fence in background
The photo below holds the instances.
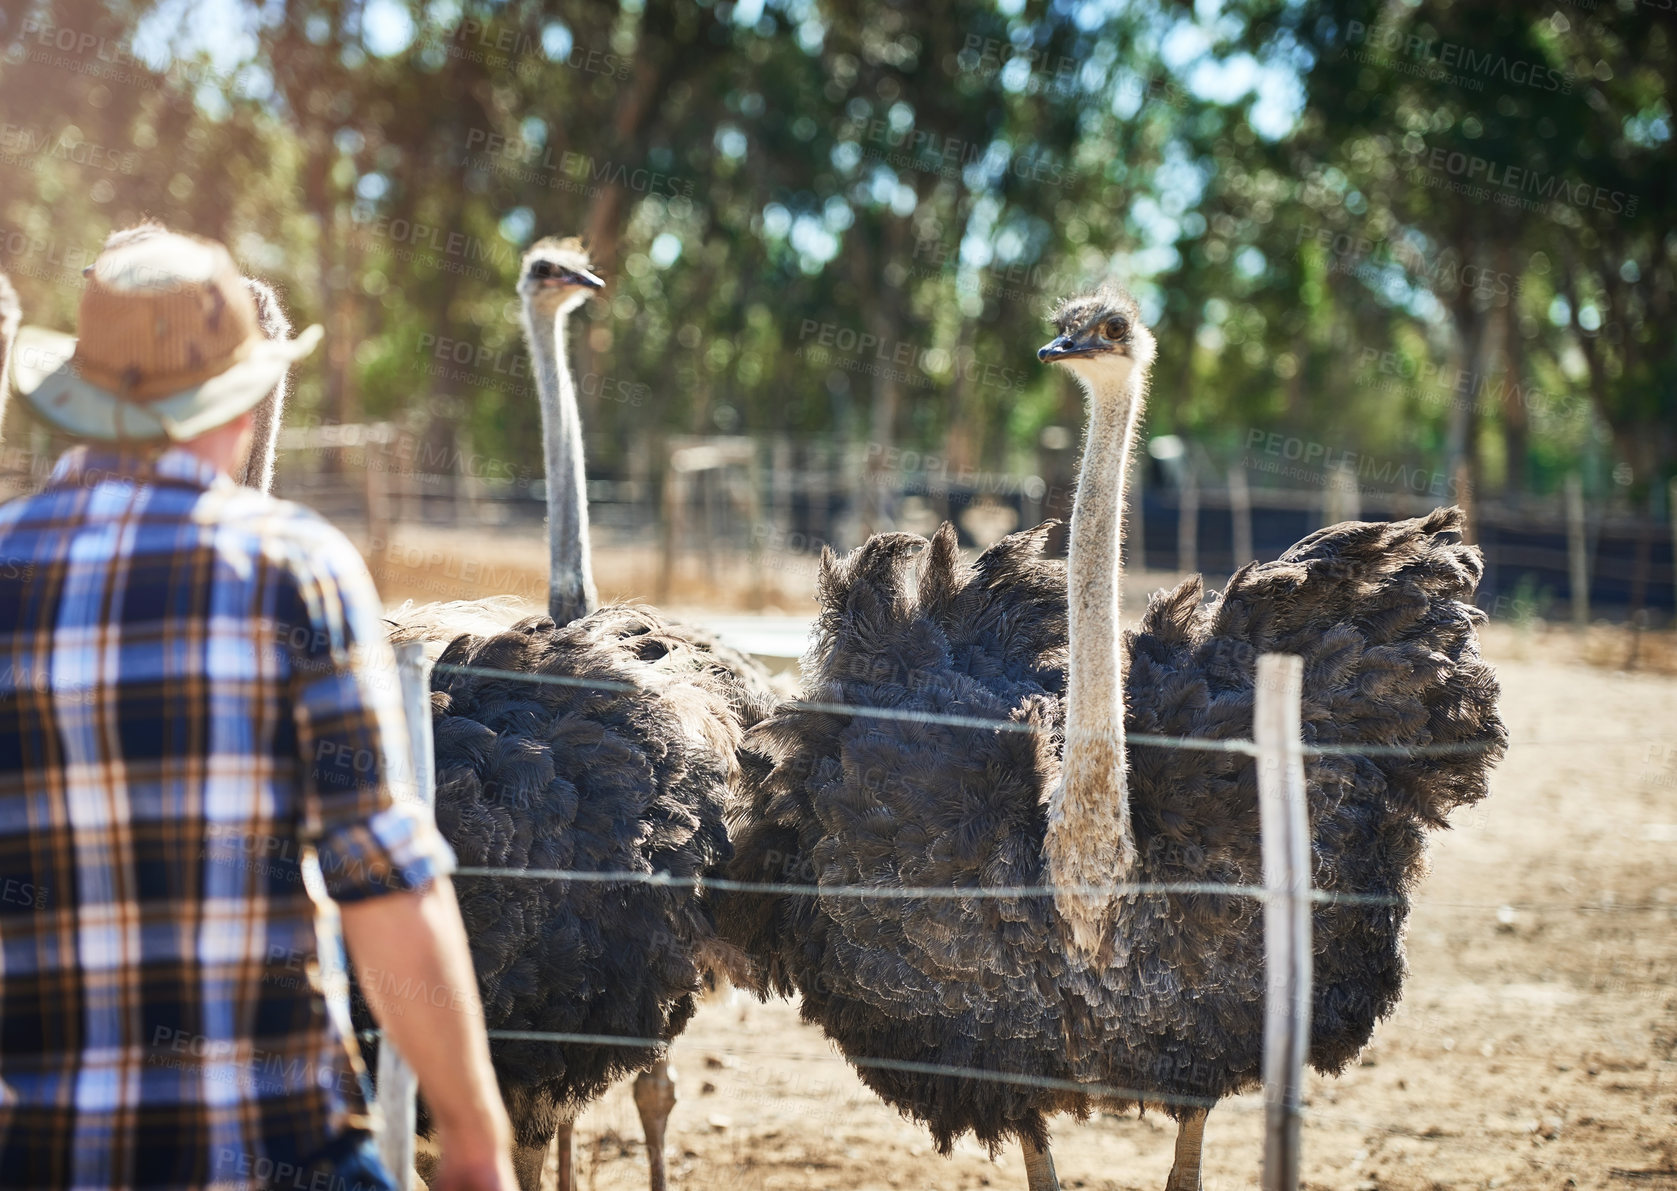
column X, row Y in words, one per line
column 741, row 512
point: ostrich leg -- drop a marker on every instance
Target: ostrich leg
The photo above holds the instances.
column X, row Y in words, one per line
column 565, row 1176
column 654, row 1098
column 529, row 1164
column 1185, row 1170
column 1039, row 1167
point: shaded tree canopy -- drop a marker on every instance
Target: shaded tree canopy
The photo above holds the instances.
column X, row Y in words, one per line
column 1430, row 232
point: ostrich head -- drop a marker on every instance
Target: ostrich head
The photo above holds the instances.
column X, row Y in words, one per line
column 122, row 237
column 270, row 315
column 1100, row 338
column 556, row 276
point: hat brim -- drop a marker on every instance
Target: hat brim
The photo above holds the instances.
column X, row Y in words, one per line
column 45, row 375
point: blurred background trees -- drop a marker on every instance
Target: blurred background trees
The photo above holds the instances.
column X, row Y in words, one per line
column 1433, row 235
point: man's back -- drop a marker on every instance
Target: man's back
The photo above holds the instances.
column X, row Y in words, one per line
column 194, row 685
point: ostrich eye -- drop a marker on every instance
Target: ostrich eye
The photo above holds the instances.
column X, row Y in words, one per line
column 1116, row 328
column 541, row 269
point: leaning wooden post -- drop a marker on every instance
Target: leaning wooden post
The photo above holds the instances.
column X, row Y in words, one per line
column 397, row 1084
column 1577, row 552
column 1285, row 824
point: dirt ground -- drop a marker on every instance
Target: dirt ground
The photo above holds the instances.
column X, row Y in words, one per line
column 1536, row 1045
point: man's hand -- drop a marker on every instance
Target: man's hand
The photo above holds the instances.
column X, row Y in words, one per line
column 416, row 941
column 461, row 1172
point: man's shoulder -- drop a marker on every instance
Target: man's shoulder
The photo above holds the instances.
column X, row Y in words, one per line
column 281, row 530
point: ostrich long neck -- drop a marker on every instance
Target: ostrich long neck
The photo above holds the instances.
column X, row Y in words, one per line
column 1088, row 840
column 571, row 591
column 264, row 440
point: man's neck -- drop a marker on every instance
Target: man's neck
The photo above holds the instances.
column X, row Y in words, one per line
column 223, row 448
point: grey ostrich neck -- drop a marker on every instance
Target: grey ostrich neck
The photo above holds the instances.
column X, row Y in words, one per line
column 1088, row 840
column 571, row 592
column 264, row 442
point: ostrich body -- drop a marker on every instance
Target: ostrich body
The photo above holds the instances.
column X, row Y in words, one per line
column 623, row 762
column 1158, row 994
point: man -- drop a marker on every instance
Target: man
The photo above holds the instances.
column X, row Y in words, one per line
column 195, row 691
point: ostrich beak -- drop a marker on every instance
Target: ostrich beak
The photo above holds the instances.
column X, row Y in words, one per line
column 562, row 278
column 1063, row 348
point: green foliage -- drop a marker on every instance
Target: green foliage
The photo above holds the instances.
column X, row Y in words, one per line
column 847, row 219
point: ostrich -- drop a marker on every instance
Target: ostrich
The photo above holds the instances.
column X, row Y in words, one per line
column 258, row 471
column 623, row 761
column 11, row 314
column 1144, row 997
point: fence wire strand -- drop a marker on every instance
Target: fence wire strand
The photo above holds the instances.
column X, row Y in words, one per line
column 947, row 893
column 982, row 723
column 998, row 724
column 914, row 892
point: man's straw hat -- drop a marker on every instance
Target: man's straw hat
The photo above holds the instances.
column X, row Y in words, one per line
column 170, row 347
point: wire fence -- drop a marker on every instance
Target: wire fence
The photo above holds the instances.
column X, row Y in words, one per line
column 1014, row 892
column 1288, row 890
column 739, row 496
column 998, row 724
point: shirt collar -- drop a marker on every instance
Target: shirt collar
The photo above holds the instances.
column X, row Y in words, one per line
column 171, row 465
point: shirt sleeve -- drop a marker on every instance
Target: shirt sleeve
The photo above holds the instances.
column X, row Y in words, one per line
column 360, row 808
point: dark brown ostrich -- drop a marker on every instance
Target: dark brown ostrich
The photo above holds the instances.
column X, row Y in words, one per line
column 1160, row 994
column 623, row 761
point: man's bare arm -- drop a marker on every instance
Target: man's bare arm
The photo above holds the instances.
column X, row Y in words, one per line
column 416, row 941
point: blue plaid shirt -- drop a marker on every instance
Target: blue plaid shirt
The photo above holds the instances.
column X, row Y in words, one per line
column 196, row 699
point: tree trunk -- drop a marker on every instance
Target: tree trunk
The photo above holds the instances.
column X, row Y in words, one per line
column 1461, row 451
column 1516, row 414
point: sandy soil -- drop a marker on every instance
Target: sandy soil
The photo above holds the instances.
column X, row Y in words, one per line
column 1536, row 1046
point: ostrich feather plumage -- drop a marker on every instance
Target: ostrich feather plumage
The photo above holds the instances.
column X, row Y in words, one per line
column 621, row 765
column 1172, row 1007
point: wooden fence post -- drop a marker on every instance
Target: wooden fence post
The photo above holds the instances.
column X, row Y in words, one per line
column 1671, row 515
column 397, row 1084
column 1465, row 498
column 1188, row 520
column 755, row 482
column 375, row 462
column 670, row 531
column 780, row 479
column 1577, row 551
column 1240, row 515
column 1285, row 825
column 1341, row 499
